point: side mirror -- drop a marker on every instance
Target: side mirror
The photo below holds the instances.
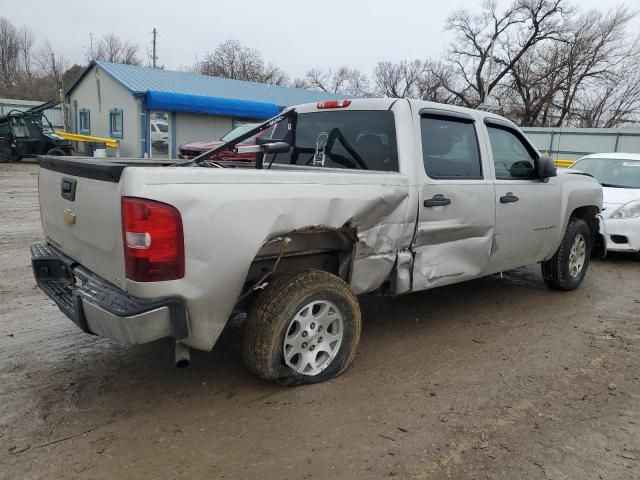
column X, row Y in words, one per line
column 546, row 168
column 275, row 147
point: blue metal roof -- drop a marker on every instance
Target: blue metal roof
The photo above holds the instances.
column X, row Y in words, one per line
column 140, row 80
column 181, row 102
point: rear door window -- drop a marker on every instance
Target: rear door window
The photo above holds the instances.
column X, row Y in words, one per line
column 358, row 139
column 450, row 148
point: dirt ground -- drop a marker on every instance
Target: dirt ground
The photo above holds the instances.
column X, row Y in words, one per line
column 499, row 378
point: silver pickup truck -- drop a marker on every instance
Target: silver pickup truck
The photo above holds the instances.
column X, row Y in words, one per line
column 345, row 197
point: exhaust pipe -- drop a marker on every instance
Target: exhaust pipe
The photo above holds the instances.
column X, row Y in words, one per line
column 183, row 355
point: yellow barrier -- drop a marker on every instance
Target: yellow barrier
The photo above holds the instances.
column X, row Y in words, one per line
column 76, row 137
column 564, row 163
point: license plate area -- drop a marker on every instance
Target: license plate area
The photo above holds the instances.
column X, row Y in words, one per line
column 52, row 269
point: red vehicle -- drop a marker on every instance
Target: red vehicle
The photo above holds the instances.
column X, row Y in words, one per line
column 193, row 149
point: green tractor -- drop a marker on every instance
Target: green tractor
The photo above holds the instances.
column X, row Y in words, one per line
column 29, row 134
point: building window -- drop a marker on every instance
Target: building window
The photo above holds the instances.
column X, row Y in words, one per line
column 116, row 123
column 85, row 120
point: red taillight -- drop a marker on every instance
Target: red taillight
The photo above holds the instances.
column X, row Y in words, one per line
column 334, row 104
column 153, row 240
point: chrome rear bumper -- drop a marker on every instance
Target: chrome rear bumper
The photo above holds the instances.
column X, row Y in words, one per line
column 100, row 308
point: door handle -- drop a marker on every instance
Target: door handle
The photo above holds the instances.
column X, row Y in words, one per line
column 438, row 200
column 509, row 198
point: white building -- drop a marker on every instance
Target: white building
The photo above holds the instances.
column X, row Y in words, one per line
column 152, row 111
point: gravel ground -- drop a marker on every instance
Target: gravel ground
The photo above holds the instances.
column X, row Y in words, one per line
column 499, row 378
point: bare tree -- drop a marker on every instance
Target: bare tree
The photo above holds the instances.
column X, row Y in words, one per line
column 111, row 48
column 489, row 44
column 274, row 75
column 25, row 40
column 556, row 82
column 424, row 80
column 614, row 101
column 233, row 60
column 314, row 79
column 344, row 80
column 52, row 66
column 596, row 55
column 9, row 55
column 533, row 84
column 398, row 80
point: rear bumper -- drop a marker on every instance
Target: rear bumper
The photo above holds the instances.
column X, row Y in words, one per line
column 100, row 308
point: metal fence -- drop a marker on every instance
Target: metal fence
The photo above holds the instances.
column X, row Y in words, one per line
column 573, row 143
column 53, row 114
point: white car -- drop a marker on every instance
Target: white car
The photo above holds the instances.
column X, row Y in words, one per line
column 159, row 131
column 619, row 174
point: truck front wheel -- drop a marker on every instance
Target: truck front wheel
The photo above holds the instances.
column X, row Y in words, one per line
column 303, row 327
column 568, row 267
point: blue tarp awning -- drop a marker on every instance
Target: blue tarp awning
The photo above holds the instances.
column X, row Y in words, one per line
column 183, row 102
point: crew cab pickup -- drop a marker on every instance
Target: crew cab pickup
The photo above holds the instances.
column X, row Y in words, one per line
column 347, row 197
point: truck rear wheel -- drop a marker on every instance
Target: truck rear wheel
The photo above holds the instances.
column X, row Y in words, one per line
column 568, row 267
column 303, row 327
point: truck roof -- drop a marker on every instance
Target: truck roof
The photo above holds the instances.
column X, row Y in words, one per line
column 387, row 103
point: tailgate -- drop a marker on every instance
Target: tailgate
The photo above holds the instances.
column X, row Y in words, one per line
column 80, row 209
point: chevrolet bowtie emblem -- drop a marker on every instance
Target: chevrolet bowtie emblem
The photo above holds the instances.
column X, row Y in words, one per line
column 69, row 217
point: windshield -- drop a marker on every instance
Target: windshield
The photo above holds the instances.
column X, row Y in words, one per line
column 236, row 132
column 618, row 173
column 356, row 139
column 43, row 124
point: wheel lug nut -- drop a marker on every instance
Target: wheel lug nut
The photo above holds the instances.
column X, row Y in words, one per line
column 304, row 334
column 319, row 339
column 313, row 325
column 312, row 348
column 304, row 345
column 319, row 328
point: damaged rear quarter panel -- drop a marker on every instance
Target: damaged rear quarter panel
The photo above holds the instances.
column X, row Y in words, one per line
column 229, row 214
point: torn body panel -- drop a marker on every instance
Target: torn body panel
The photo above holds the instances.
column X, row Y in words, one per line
column 453, row 243
column 230, row 216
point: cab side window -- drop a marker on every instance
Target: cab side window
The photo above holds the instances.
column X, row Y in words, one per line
column 513, row 160
column 450, row 148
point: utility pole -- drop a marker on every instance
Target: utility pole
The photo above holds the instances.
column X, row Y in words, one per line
column 154, row 58
column 90, row 44
column 490, row 65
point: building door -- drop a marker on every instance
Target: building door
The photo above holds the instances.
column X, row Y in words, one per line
column 159, row 134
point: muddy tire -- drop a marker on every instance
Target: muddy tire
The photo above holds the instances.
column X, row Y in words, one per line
column 304, row 327
column 568, row 267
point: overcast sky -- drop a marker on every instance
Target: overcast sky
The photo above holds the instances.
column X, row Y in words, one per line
column 295, row 35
